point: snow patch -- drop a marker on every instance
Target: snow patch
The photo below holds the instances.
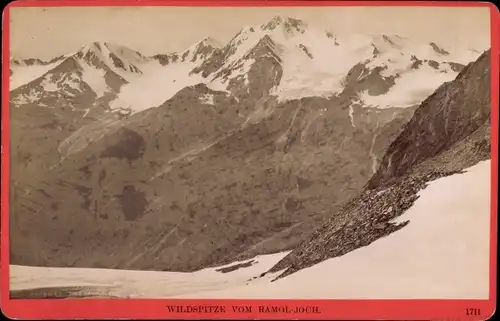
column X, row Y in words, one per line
column 156, row 87
column 351, row 115
column 47, row 84
column 95, row 79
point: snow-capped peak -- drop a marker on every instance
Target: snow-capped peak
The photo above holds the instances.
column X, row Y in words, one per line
column 99, row 67
column 200, row 50
column 122, row 60
column 288, row 24
column 209, row 41
column 119, row 50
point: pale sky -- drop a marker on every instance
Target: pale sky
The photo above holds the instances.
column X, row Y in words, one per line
column 48, row 32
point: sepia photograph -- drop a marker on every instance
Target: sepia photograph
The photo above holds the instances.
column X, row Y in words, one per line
column 250, row 152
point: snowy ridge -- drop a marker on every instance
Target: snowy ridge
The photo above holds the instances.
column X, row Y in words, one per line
column 161, row 82
column 316, row 62
column 22, row 72
column 419, row 69
column 93, row 72
column 201, row 50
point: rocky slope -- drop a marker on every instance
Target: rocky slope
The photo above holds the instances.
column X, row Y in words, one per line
column 221, row 153
column 449, row 131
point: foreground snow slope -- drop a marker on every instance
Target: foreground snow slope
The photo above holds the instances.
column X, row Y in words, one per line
column 127, row 283
column 442, row 253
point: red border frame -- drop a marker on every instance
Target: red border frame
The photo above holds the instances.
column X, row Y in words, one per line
column 330, row 309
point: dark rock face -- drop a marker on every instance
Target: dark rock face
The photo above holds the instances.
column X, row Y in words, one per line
column 117, row 62
column 306, row 51
column 438, row 49
column 449, row 132
column 416, row 63
column 360, row 78
column 166, row 59
column 434, row 64
column 456, row 66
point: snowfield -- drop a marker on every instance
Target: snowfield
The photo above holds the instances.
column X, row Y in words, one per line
column 442, row 254
column 156, row 87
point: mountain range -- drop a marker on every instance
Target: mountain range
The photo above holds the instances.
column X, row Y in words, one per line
column 220, row 152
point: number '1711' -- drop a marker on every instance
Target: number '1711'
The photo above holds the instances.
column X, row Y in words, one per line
column 472, row 311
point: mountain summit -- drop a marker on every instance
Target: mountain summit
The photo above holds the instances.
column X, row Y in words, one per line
column 289, row 25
